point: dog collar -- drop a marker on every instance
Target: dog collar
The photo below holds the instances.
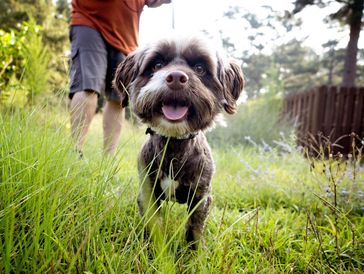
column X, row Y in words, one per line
column 189, row 137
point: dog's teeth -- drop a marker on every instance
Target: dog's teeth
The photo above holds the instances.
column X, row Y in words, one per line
column 174, row 112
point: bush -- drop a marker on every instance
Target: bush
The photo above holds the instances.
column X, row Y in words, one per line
column 23, row 65
column 11, row 59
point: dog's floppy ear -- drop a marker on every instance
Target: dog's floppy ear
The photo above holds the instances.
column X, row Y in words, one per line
column 232, row 79
column 125, row 74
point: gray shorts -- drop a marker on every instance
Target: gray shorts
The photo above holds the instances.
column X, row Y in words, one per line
column 93, row 63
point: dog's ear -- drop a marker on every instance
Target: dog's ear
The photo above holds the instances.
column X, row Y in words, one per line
column 232, row 79
column 125, row 74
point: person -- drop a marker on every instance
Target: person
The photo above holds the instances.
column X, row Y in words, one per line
column 102, row 33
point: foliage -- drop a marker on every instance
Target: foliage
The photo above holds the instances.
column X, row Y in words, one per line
column 24, row 64
column 256, row 119
column 346, row 13
column 53, row 16
column 270, row 25
column 260, row 118
column 350, row 13
column 12, row 62
column 254, row 67
column 63, row 9
column 332, row 62
column 360, row 69
column 332, row 65
column 13, row 12
column 56, row 37
column 271, row 212
column 11, row 57
column 298, row 66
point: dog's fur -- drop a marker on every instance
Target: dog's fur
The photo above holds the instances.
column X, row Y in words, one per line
column 175, row 163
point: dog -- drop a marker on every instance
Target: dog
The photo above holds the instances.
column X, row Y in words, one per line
column 178, row 88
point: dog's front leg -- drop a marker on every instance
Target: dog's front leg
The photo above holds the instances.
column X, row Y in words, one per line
column 198, row 210
column 148, row 204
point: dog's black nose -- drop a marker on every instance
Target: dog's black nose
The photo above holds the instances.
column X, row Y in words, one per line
column 177, row 79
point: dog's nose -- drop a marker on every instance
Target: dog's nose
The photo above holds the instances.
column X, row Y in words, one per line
column 176, row 79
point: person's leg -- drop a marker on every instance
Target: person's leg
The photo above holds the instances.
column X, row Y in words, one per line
column 113, row 111
column 112, row 122
column 87, row 79
column 82, row 108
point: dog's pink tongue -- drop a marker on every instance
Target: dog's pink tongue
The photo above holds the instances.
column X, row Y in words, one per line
column 174, row 113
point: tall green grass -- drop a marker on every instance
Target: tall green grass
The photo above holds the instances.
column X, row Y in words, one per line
column 272, row 210
column 256, row 120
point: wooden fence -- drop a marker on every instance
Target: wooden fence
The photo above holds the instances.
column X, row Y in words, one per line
column 328, row 115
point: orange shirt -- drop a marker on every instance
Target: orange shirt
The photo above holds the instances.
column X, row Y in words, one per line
column 116, row 20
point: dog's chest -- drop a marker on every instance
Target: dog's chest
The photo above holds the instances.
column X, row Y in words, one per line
column 177, row 177
column 169, row 187
column 180, row 170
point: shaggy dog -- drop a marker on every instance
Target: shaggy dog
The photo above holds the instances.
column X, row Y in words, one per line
column 178, row 88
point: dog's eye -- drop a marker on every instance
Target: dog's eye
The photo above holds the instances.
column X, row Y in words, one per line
column 199, row 69
column 158, row 66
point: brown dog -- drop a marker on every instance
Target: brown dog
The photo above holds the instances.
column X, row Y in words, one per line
column 177, row 88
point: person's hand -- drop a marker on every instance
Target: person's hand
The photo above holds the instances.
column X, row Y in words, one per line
column 156, row 3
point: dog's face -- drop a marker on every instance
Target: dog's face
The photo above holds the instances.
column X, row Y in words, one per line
column 178, row 88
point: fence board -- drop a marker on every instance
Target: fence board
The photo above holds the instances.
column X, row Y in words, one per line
column 348, row 110
column 329, row 111
column 339, row 113
column 358, row 112
column 333, row 112
column 311, row 96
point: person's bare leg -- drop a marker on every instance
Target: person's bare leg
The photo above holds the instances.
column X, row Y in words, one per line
column 82, row 107
column 112, row 121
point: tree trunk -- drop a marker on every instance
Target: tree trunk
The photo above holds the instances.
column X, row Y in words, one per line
column 331, row 73
column 352, row 47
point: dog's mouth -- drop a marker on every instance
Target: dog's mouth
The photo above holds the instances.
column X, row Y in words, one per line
column 175, row 111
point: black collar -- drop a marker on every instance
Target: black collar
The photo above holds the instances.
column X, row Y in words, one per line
column 152, row 132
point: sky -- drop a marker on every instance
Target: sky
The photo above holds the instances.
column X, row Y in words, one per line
column 191, row 17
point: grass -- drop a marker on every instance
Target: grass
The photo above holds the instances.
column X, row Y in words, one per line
column 272, row 212
column 256, row 121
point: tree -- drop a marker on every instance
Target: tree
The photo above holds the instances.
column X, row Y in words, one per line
column 360, row 69
column 299, row 66
column 10, row 14
column 254, row 67
column 291, row 65
column 53, row 17
column 13, row 12
column 266, row 28
column 63, row 9
column 350, row 13
column 270, row 27
column 332, row 62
